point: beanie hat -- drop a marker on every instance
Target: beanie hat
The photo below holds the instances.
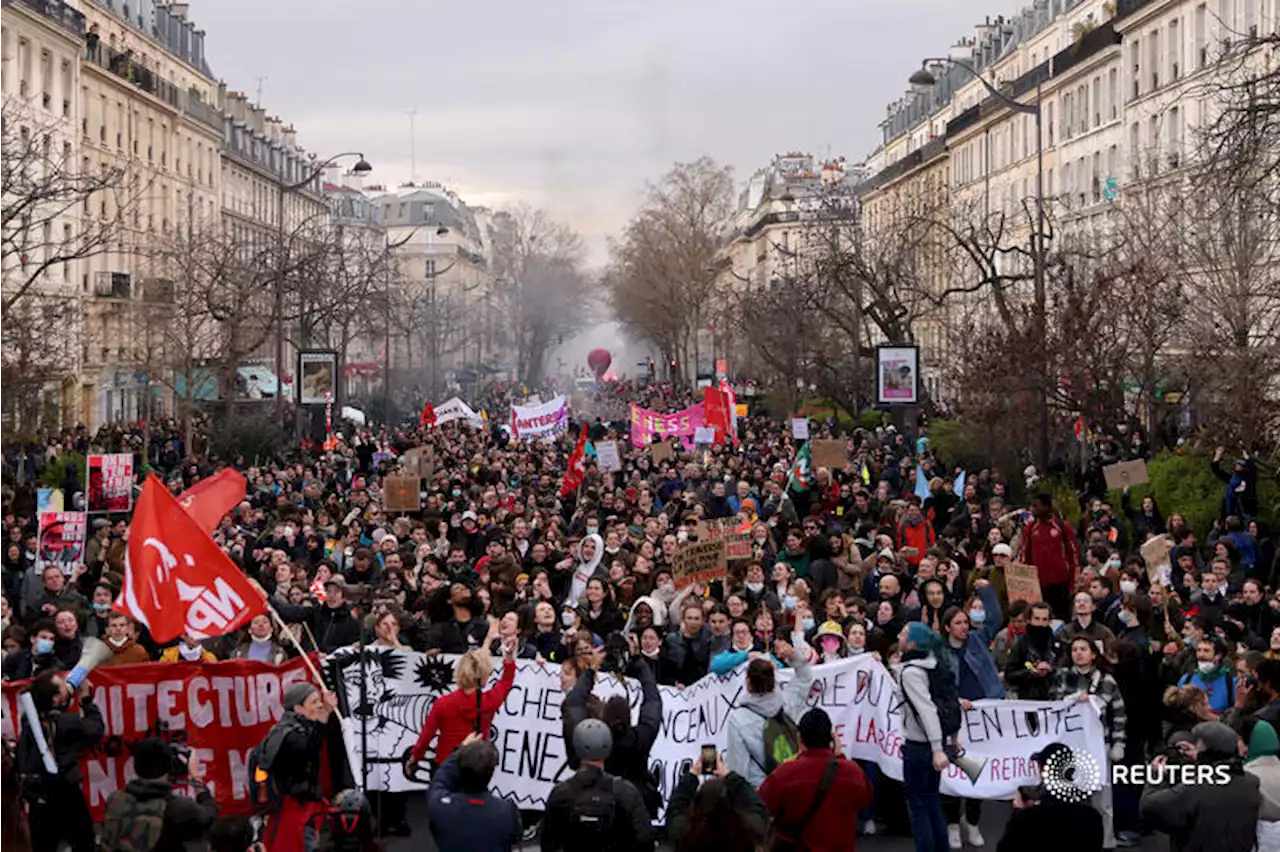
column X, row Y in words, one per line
column 152, row 758
column 298, row 693
column 815, row 729
column 1263, row 741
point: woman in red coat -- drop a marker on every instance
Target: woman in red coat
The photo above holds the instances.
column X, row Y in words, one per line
column 468, row 709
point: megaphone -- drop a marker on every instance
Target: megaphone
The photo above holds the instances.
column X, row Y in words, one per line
column 971, row 766
column 94, row 654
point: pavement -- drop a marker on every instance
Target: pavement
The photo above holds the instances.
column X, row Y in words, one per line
column 994, row 816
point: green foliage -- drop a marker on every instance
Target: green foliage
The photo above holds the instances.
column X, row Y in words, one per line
column 61, row 468
column 1183, row 483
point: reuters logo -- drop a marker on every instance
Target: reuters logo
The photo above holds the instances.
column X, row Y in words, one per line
column 1071, row 776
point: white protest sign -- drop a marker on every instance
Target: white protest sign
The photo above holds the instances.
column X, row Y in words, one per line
column 607, row 458
column 456, row 409
column 544, row 420
column 800, row 428
column 704, row 435
column 857, row 693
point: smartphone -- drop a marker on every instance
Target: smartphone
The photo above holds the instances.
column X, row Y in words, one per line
column 709, row 759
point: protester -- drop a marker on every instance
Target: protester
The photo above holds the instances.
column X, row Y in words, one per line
column 720, row 812
column 593, row 810
column 762, row 729
column 291, row 755
column 149, row 813
column 469, row 709
column 812, row 796
column 465, row 816
column 1042, row 820
column 923, row 757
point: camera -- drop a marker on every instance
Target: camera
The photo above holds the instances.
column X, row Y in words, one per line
column 617, row 654
column 179, row 759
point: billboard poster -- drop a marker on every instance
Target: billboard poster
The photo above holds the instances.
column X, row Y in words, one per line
column 897, row 375
column 110, row 487
column 317, row 376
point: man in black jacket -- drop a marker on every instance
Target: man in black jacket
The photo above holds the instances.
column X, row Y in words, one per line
column 465, row 816
column 1034, row 656
column 58, row 810
column 332, row 624
column 629, row 758
column 131, row 814
column 1045, row 822
column 593, row 810
column 291, row 754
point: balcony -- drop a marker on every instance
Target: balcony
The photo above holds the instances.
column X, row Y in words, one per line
column 126, row 68
column 157, row 291
column 1094, row 41
column 112, row 285
column 60, row 13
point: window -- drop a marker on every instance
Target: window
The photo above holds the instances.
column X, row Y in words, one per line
column 1175, row 51
column 1135, row 151
column 1250, row 18
column 1153, row 140
column 1050, row 121
column 1097, row 101
column 1153, row 58
column 1095, row 182
column 1175, row 137
column 1201, row 36
column 1135, row 57
column 1113, row 94
column 429, row 268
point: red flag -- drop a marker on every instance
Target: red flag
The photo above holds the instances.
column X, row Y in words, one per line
column 428, row 417
column 176, row 580
column 577, row 465
column 210, row 499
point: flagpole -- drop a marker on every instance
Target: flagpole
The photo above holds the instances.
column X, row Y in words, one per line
column 306, row 658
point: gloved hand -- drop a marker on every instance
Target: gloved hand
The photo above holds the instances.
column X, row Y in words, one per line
column 1116, row 753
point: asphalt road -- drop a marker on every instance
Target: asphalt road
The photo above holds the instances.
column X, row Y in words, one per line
column 994, row 816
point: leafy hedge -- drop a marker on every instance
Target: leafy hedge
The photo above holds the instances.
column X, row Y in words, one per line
column 57, row 471
column 1182, row 482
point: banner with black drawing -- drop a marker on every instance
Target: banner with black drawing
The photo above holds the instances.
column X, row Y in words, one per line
column 400, row 686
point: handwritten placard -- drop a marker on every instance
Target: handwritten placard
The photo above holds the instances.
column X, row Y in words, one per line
column 700, row 562
column 828, row 454
column 1023, row 582
column 402, row 494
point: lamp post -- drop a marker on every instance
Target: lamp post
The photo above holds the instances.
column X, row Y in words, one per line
column 922, row 82
column 361, row 167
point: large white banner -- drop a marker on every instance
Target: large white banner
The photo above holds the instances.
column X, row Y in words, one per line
column 540, row 421
column 456, row 409
column 857, row 693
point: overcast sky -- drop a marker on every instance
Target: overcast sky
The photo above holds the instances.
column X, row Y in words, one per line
column 575, row 104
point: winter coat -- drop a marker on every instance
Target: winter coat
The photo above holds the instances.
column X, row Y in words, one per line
column 1069, row 682
column 790, row 790
column 745, row 752
column 976, row 651
column 454, row 716
column 1206, row 817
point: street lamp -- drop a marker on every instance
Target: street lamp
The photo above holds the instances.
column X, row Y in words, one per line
column 922, row 82
column 361, row 168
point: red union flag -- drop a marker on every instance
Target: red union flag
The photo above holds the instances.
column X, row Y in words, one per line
column 428, row 416
column 176, row 580
column 577, row 465
column 210, row 499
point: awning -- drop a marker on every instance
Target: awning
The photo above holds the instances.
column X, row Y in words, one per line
column 257, row 381
column 203, row 386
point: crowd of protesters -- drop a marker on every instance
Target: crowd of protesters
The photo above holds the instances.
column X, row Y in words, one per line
column 845, row 561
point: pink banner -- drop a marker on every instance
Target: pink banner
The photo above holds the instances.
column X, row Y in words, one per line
column 647, row 426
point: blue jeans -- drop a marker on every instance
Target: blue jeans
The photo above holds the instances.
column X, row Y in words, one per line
column 924, row 804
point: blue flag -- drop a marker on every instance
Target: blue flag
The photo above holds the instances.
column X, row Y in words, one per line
column 958, row 485
column 922, row 484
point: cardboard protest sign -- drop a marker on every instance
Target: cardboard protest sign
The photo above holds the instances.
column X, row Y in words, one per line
column 1023, row 582
column 737, row 545
column 418, row 462
column 800, row 428
column 661, row 451
column 607, row 458
column 1123, row 475
column 828, row 454
column 700, row 562
column 1155, row 552
column 402, row 494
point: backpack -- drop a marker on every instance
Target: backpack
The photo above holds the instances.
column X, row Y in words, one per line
column 593, row 815
column 781, row 740
column 946, row 698
column 34, row 780
column 132, row 824
column 266, row 793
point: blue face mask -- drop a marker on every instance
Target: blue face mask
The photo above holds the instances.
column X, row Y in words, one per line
column 44, row 646
column 807, row 624
column 789, row 602
column 977, row 616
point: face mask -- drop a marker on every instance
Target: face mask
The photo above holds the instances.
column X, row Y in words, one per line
column 593, row 530
column 118, row 640
column 1113, row 563
column 652, row 655
column 682, row 536
column 261, row 640
column 789, row 602
column 44, row 646
column 457, row 492
column 566, row 619
column 977, row 616
column 1039, row 632
column 666, row 587
column 101, row 607
column 1128, row 587
column 1190, row 641
column 807, row 623
column 612, row 550
column 1207, row 667
column 1126, row 618
column 755, row 588
column 189, row 654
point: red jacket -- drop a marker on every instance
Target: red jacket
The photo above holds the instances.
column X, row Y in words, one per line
column 1051, row 546
column 454, row 716
column 920, row 536
column 788, row 794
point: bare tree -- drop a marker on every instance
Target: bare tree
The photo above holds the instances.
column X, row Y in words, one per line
column 537, row 263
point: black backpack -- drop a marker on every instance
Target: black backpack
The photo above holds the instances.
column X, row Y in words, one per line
column 266, row 792
column 946, row 698
column 34, row 781
column 593, row 816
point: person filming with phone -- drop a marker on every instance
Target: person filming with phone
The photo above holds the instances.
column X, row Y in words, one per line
column 715, row 810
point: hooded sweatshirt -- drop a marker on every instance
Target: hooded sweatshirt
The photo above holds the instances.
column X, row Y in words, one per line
column 658, row 609
column 584, row 571
column 1264, row 746
column 745, row 753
